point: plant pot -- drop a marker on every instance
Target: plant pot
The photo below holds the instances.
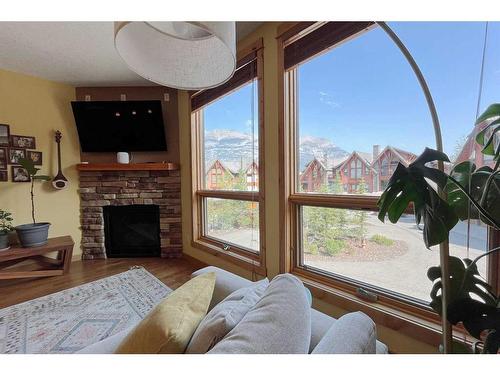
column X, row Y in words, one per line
column 31, row 235
column 4, row 241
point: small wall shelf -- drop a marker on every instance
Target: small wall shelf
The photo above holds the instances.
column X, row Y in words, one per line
column 128, row 167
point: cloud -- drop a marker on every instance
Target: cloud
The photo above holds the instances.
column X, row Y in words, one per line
column 327, row 99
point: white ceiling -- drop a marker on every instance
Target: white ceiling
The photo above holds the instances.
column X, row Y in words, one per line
column 76, row 53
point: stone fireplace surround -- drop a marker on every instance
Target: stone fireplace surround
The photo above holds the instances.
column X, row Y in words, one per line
column 104, row 188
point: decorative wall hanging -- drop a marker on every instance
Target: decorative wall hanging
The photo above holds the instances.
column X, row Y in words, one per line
column 15, row 154
column 22, row 141
column 35, row 156
column 4, row 135
column 19, row 174
column 59, row 182
column 3, row 158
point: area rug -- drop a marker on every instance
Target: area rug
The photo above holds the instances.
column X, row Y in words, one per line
column 67, row 321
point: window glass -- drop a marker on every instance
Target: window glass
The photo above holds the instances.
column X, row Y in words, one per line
column 363, row 97
column 231, row 140
column 355, row 244
column 233, row 222
column 360, row 104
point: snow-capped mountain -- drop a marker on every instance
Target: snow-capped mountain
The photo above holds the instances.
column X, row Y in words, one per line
column 320, row 148
column 230, row 146
column 235, row 147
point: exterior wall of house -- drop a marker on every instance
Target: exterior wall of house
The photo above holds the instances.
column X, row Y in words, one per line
column 252, row 177
column 219, row 175
column 215, row 176
column 351, row 179
column 313, row 176
column 385, row 165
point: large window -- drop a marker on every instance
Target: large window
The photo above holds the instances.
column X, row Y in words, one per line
column 352, row 104
column 226, row 158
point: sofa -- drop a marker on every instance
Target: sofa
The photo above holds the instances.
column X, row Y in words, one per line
column 227, row 282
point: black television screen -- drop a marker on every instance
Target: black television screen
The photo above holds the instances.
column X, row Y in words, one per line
column 113, row 126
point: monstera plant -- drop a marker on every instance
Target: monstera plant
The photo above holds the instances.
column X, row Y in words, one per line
column 440, row 200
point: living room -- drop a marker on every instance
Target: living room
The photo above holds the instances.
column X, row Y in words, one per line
column 254, row 175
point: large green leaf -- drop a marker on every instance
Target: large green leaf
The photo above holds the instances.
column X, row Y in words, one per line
column 487, row 138
column 465, row 283
column 478, row 318
column 42, row 178
column 492, row 111
column 409, row 184
column 29, row 165
column 474, row 182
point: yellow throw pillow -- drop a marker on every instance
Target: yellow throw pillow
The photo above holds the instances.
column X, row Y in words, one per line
column 170, row 325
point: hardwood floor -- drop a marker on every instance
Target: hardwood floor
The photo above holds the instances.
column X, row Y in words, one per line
column 172, row 272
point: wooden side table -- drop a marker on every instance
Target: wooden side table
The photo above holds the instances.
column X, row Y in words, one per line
column 48, row 266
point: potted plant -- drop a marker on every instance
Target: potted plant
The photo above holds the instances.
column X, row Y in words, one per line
column 33, row 234
column 5, row 228
column 465, row 193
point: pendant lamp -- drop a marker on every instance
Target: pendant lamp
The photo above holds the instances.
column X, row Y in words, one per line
column 182, row 55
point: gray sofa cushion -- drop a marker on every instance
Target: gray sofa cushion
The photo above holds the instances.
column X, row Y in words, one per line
column 279, row 323
column 225, row 283
column 225, row 316
column 108, row 345
column 353, row 333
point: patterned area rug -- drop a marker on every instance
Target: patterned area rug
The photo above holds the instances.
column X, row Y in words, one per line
column 72, row 319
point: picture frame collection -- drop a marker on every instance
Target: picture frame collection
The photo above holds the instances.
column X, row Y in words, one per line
column 12, row 148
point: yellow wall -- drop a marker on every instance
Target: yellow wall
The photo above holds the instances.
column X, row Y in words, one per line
column 37, row 107
column 268, row 32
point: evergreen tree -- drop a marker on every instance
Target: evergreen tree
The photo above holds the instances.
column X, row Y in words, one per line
column 360, row 217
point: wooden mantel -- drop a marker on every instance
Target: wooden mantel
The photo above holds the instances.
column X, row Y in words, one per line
column 127, row 167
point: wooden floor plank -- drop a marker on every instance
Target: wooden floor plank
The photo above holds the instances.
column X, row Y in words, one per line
column 172, row 272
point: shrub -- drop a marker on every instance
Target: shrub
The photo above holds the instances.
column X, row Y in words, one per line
column 334, row 246
column 311, row 248
column 381, row 240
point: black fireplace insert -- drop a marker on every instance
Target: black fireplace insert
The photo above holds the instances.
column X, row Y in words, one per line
column 132, row 231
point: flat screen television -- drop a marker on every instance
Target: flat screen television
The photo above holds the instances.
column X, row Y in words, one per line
column 114, row 126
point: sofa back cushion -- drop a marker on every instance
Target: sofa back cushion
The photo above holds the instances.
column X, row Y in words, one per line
column 225, row 316
column 170, row 325
column 279, row 323
column 353, row 333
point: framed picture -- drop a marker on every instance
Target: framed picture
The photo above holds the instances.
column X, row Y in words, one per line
column 15, row 154
column 3, row 158
column 3, row 176
column 19, row 174
column 35, row 156
column 22, row 141
column 4, row 135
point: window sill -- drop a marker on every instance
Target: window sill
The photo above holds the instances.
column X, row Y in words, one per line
column 249, row 262
column 414, row 322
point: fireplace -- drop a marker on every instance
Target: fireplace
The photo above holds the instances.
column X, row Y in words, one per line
column 132, row 231
column 110, row 188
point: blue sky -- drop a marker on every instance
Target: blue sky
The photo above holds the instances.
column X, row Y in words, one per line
column 364, row 92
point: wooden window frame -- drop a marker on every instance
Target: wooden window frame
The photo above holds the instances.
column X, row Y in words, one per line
column 245, row 258
column 401, row 313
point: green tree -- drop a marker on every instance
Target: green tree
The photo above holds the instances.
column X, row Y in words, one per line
column 324, row 228
column 360, row 217
column 227, row 214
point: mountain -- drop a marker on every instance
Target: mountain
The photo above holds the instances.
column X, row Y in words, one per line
column 320, row 148
column 229, row 146
column 235, row 147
